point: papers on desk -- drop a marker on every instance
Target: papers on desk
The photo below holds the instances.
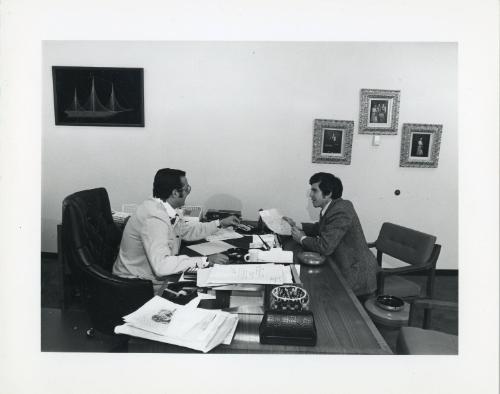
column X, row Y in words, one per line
column 219, row 275
column 224, row 233
column 274, row 255
column 162, row 320
column 258, row 241
column 208, row 248
column 274, row 220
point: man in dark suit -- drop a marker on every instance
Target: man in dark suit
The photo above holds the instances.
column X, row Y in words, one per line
column 339, row 234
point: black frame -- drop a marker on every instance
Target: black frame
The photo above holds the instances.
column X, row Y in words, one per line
column 80, row 96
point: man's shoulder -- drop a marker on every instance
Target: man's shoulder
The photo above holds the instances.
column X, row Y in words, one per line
column 342, row 204
column 152, row 208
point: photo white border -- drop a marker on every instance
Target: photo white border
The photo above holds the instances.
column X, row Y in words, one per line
column 24, row 24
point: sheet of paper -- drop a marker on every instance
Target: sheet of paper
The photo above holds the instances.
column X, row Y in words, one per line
column 274, row 220
column 208, row 248
column 165, row 321
column 257, row 240
column 247, row 273
column 224, row 233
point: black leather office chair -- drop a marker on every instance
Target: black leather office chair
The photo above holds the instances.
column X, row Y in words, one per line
column 90, row 244
column 416, row 340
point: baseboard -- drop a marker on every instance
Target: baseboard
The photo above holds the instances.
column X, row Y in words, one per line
column 447, row 272
column 49, row 255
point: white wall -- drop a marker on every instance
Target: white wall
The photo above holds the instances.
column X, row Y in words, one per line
column 238, row 117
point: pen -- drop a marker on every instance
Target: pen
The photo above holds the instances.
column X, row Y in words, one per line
column 177, row 294
column 264, row 242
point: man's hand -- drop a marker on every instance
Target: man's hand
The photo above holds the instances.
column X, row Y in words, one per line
column 229, row 221
column 217, row 258
column 297, row 234
column 290, row 221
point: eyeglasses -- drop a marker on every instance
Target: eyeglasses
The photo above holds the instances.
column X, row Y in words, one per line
column 185, row 188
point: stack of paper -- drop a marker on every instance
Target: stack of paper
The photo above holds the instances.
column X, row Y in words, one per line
column 162, row 320
column 208, row 248
column 274, row 274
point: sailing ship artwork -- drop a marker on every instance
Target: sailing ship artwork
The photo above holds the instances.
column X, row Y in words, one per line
column 98, row 96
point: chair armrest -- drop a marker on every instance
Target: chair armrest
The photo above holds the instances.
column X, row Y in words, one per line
column 428, row 303
column 404, row 270
column 371, row 244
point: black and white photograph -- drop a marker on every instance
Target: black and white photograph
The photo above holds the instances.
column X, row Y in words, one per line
column 249, row 198
column 379, row 111
column 98, row 96
column 332, row 141
column 420, row 145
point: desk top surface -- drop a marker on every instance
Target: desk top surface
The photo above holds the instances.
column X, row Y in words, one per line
column 343, row 326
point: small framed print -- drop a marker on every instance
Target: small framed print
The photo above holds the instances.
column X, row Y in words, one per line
column 379, row 111
column 420, row 145
column 332, row 141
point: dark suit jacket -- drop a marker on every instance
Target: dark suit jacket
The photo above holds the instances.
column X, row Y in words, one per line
column 339, row 234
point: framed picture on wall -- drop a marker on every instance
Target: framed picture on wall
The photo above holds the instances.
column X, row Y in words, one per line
column 98, row 96
column 379, row 111
column 332, row 141
column 420, row 145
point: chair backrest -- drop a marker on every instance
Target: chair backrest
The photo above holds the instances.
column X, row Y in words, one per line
column 91, row 242
column 411, row 246
column 89, row 230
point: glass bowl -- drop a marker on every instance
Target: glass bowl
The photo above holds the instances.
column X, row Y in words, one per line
column 289, row 298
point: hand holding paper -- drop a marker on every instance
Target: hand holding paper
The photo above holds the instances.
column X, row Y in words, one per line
column 275, row 221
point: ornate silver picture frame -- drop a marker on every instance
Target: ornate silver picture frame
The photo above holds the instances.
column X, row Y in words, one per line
column 332, row 141
column 379, row 111
column 420, row 145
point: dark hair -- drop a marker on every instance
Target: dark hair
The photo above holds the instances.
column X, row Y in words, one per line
column 328, row 183
column 166, row 181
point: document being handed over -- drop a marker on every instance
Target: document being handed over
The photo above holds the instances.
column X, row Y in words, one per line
column 274, row 220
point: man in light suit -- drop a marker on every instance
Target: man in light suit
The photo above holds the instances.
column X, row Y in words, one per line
column 152, row 236
column 339, row 234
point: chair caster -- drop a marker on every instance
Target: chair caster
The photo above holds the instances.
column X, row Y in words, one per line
column 90, row 333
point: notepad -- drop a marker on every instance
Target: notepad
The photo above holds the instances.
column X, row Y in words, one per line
column 208, row 248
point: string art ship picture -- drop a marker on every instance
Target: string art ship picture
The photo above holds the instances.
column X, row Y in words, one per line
column 98, row 96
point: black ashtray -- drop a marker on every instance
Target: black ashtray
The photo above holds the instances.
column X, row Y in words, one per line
column 181, row 292
column 236, row 254
column 390, row 303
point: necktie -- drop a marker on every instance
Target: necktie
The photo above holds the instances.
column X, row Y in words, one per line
column 174, row 219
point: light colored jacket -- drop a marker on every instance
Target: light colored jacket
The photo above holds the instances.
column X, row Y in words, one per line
column 150, row 243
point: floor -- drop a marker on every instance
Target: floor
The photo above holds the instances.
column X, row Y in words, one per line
column 67, row 331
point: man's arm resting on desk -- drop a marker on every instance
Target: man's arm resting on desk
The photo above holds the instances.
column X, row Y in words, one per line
column 333, row 232
column 155, row 239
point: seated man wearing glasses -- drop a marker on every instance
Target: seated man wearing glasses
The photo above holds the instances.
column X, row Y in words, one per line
column 152, row 236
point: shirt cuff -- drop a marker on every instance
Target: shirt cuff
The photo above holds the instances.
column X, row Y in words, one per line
column 302, row 238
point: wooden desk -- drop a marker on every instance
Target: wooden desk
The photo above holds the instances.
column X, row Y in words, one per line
column 342, row 324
